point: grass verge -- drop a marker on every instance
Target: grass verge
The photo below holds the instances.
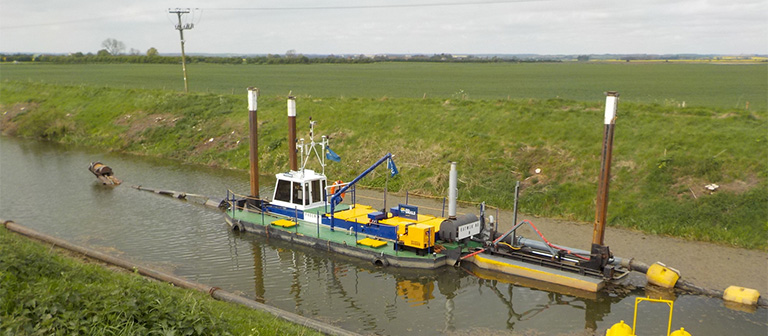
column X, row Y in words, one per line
column 45, row 293
column 664, row 156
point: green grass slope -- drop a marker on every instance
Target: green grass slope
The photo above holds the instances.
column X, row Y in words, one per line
column 664, row 155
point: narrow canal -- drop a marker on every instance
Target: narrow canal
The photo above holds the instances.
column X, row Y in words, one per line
column 48, row 187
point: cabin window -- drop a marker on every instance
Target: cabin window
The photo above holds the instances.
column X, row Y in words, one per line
column 316, row 190
column 322, row 189
column 298, row 193
column 283, row 191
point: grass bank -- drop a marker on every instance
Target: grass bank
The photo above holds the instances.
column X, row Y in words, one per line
column 664, row 155
column 45, row 293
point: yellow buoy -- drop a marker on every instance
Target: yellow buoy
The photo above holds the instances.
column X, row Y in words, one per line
column 619, row 329
column 680, row 332
column 662, row 276
column 741, row 295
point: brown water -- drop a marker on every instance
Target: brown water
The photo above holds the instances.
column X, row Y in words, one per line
column 48, row 187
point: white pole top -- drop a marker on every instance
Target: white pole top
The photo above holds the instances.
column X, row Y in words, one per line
column 253, row 97
column 291, row 106
column 611, row 101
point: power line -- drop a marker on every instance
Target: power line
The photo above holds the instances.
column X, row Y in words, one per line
column 414, row 5
column 436, row 4
column 69, row 22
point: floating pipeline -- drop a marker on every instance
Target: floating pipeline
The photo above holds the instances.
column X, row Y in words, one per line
column 215, row 292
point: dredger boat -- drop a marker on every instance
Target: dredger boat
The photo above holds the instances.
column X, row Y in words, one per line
column 305, row 208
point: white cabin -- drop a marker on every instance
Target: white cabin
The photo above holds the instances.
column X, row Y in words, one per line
column 302, row 190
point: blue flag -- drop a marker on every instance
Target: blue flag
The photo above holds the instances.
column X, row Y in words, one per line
column 392, row 168
column 331, row 155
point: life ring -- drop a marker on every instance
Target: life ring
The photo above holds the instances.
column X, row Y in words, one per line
column 337, row 186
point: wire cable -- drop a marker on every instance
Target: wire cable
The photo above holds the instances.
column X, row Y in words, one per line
column 415, row 5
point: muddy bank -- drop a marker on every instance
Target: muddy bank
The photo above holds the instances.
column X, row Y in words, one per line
column 704, row 264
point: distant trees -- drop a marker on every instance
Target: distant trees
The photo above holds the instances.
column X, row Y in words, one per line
column 582, row 58
column 152, row 56
column 113, row 46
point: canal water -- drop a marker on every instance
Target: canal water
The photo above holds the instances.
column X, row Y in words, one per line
column 47, row 187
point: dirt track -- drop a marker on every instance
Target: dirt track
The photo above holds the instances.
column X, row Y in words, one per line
column 708, row 265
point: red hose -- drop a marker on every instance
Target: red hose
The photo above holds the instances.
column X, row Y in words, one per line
column 553, row 245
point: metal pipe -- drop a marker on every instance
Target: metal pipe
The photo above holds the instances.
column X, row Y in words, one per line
column 253, row 96
column 214, row 292
column 598, row 234
column 292, row 134
column 452, row 191
column 514, row 210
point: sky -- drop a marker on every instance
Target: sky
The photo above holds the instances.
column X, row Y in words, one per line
column 343, row 27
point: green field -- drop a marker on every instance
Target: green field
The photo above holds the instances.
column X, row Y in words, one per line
column 710, row 85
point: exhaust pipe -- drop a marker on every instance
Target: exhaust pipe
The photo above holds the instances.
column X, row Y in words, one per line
column 452, row 191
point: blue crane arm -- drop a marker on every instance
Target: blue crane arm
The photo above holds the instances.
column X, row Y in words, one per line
column 336, row 197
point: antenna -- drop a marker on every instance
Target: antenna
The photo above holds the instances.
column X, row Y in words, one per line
column 179, row 12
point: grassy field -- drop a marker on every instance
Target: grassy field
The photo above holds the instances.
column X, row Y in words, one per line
column 710, row 85
column 663, row 155
column 44, row 293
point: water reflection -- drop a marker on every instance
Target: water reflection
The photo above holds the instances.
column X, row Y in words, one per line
column 305, row 280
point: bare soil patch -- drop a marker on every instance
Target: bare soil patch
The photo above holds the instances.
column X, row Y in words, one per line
column 7, row 113
column 139, row 121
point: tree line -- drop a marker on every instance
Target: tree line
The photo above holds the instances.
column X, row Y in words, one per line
column 105, row 57
column 112, row 52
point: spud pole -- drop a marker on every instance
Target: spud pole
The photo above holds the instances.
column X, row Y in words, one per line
column 611, row 101
column 292, row 159
column 253, row 96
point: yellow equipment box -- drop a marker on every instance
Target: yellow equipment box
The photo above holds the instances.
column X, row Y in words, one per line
column 419, row 236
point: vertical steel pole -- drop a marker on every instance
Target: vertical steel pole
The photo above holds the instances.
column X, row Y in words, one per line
column 292, row 134
column 253, row 96
column 514, row 213
column 611, row 101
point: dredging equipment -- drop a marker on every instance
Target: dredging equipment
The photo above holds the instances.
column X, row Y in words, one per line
column 542, row 260
column 305, row 209
column 103, row 173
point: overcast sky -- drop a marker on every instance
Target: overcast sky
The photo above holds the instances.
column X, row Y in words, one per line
column 399, row 26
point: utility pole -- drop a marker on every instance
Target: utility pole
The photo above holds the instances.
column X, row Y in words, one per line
column 179, row 12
